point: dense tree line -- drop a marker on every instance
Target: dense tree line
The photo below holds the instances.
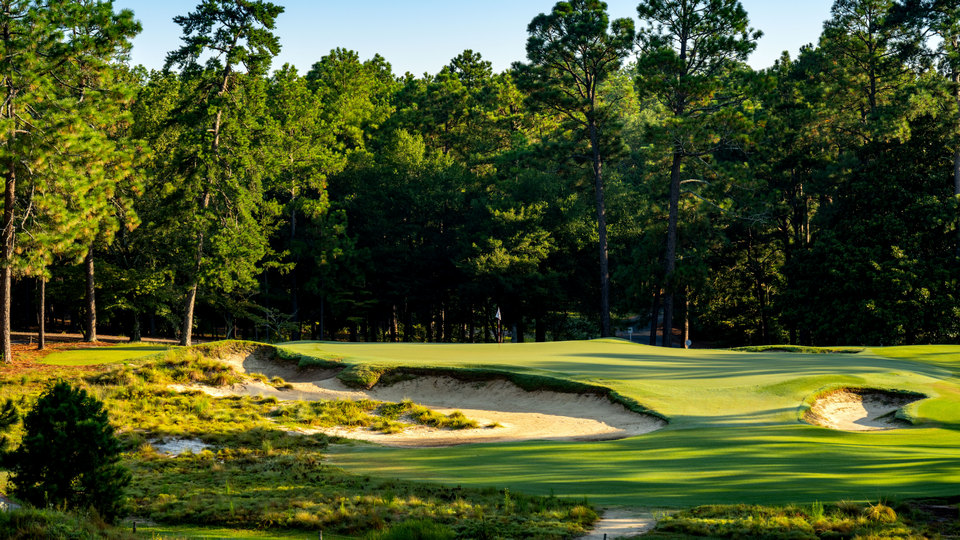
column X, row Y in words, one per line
column 813, row 202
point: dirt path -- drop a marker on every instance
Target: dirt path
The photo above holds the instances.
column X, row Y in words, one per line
column 514, row 414
column 622, row 522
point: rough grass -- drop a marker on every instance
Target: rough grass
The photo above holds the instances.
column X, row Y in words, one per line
column 259, row 476
column 50, row 524
column 374, row 415
column 799, row 349
column 844, row 519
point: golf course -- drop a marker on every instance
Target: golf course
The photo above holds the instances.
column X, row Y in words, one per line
column 735, row 434
column 529, row 440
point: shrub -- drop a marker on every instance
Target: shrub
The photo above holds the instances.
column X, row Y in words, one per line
column 415, row 530
column 69, row 457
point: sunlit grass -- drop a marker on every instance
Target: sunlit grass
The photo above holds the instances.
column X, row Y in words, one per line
column 735, row 434
column 103, row 355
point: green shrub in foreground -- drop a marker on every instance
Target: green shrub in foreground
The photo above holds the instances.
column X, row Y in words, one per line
column 69, row 457
column 415, row 530
column 843, row 520
column 53, row 525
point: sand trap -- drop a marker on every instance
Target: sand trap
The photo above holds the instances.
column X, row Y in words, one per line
column 860, row 410
column 520, row 415
column 175, row 447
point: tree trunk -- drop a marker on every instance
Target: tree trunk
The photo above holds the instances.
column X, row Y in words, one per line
column 323, row 309
column 186, row 337
column 91, row 300
column 393, row 324
column 135, row 335
column 655, row 317
column 540, row 330
column 956, row 155
column 42, row 316
column 670, row 262
column 686, row 320
column 601, row 233
column 471, row 330
column 6, row 239
column 294, row 286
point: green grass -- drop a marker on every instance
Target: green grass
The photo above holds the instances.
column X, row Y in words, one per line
column 735, row 434
column 103, row 355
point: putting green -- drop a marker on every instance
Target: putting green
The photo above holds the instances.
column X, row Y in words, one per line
column 734, row 433
column 103, row 355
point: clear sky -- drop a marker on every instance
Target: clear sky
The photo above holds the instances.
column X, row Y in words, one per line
column 423, row 35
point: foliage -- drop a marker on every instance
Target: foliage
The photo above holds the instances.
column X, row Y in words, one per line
column 69, row 457
column 842, row 520
column 57, row 525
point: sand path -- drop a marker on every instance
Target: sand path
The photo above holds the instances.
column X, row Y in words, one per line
column 622, row 522
column 517, row 414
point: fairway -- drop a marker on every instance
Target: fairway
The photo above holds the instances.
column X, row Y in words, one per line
column 735, row 433
column 103, row 355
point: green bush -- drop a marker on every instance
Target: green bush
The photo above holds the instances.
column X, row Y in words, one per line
column 69, row 457
column 49, row 524
column 415, row 530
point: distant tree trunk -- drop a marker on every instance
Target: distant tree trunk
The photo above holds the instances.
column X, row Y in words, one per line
column 471, row 329
column 135, row 335
column 294, row 290
column 91, row 300
column 655, row 317
column 393, row 324
column 323, row 310
column 540, row 329
column 407, row 323
column 42, row 316
column 486, row 327
column 601, row 232
column 519, row 330
column 670, row 262
column 956, row 155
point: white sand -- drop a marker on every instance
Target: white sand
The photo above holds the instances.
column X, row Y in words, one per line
column 521, row 415
column 866, row 410
column 175, row 447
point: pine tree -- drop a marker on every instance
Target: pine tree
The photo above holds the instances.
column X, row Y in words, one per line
column 69, row 457
column 220, row 191
column 572, row 50
column 54, row 193
column 688, row 50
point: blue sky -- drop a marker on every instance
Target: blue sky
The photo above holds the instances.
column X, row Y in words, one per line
column 423, row 35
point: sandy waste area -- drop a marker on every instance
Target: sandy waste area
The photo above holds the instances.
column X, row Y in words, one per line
column 866, row 410
column 516, row 415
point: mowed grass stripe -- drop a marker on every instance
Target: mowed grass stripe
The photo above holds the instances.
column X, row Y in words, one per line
column 103, row 355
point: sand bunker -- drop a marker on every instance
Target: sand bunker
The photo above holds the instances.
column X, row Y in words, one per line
column 860, row 410
column 175, row 447
column 516, row 414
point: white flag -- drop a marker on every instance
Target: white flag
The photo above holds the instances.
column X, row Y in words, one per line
column 498, row 317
